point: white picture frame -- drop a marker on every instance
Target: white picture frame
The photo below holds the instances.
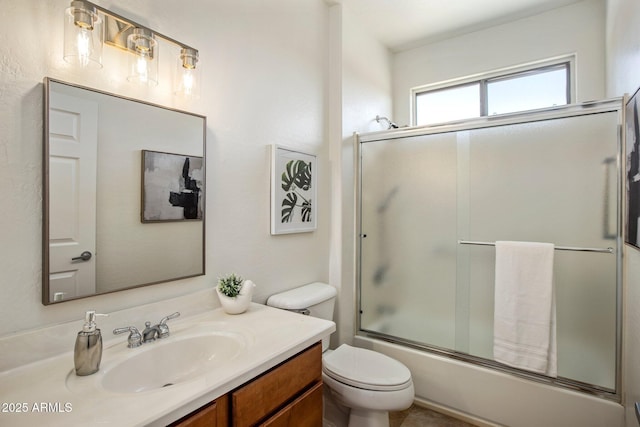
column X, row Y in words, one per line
column 293, row 191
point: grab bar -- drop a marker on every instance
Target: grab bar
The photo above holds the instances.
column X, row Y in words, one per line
column 559, row 248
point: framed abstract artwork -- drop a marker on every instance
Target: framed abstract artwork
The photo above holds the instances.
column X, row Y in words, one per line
column 632, row 181
column 293, row 191
column 172, row 187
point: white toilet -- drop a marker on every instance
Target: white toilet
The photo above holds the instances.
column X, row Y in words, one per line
column 363, row 383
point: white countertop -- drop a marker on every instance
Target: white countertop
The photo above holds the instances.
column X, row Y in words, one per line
column 39, row 394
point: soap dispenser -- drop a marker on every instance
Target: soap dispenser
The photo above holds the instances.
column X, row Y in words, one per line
column 88, row 349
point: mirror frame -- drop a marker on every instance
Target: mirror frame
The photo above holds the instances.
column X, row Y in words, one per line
column 46, row 191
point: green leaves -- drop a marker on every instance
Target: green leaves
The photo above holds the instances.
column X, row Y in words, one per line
column 296, row 178
column 297, row 174
column 230, row 285
column 288, row 205
column 306, row 211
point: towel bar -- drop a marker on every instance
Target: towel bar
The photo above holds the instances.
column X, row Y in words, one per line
column 559, row 248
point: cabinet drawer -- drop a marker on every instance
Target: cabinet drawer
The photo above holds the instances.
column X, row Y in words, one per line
column 305, row 411
column 263, row 396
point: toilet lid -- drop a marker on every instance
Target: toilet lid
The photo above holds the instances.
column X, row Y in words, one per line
column 366, row 369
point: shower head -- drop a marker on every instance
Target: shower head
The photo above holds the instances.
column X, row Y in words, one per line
column 390, row 124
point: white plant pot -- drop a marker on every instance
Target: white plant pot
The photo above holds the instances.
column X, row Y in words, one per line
column 240, row 303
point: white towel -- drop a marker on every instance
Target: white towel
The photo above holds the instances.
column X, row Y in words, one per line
column 524, row 325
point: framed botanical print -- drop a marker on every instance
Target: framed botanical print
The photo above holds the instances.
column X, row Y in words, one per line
column 293, row 191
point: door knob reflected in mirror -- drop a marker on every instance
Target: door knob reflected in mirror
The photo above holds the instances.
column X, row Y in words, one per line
column 84, row 256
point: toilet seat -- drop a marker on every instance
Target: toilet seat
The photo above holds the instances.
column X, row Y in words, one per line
column 366, row 369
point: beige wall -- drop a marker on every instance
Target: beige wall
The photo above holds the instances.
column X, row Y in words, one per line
column 264, row 69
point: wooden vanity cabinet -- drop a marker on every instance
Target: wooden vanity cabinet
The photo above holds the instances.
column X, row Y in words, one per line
column 288, row 395
column 289, row 387
column 305, row 411
column 213, row 414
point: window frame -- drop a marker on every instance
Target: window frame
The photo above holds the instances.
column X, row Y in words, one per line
column 483, row 79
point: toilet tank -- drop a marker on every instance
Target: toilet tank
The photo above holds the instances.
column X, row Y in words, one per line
column 315, row 299
column 318, row 298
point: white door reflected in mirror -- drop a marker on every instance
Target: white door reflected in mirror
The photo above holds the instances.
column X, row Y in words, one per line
column 73, row 145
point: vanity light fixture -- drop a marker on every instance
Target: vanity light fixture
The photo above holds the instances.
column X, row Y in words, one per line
column 187, row 80
column 89, row 26
column 83, row 35
column 143, row 61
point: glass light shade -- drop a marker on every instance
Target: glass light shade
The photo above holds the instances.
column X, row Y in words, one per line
column 143, row 60
column 187, row 77
column 83, row 35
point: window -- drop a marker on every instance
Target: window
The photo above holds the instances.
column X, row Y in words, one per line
column 495, row 93
column 452, row 103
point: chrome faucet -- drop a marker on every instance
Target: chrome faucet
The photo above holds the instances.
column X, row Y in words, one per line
column 149, row 334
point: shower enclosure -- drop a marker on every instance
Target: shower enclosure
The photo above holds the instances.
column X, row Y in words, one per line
column 431, row 202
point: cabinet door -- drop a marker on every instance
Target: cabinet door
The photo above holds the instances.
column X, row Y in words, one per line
column 305, row 411
column 270, row 392
column 215, row 414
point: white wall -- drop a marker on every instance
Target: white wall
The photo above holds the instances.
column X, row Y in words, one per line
column 623, row 63
column 578, row 28
column 264, row 70
column 365, row 66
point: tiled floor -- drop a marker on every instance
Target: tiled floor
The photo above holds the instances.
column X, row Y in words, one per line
column 416, row 416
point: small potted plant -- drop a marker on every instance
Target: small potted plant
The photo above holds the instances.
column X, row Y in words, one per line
column 234, row 293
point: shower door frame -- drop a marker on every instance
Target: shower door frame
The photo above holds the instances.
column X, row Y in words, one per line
column 574, row 110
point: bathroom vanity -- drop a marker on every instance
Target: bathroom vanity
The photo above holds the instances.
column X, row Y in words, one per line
column 262, row 367
column 288, row 395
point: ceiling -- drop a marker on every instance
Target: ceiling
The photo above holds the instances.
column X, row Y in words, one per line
column 403, row 24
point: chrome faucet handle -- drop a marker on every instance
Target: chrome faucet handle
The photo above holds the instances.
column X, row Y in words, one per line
column 135, row 338
column 163, row 328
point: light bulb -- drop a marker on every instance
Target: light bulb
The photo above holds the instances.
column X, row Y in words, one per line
column 84, row 47
column 141, row 69
column 187, row 82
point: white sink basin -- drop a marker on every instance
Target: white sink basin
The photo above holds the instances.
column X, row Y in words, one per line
column 162, row 363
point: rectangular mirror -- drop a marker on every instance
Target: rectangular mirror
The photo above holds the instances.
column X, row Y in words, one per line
column 123, row 196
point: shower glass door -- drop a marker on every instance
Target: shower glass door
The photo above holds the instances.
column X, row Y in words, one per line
column 550, row 180
column 409, row 247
